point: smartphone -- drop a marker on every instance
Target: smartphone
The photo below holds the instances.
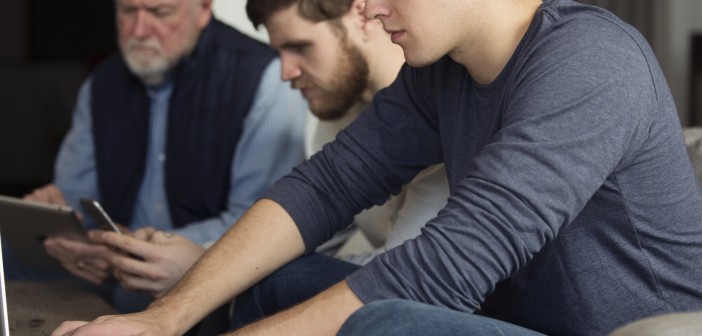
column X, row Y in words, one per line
column 98, row 214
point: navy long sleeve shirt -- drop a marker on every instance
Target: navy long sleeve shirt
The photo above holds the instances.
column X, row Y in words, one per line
column 574, row 208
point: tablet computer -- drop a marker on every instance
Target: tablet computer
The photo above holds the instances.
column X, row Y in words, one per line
column 25, row 224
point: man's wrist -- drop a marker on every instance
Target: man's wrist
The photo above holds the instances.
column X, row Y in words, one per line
column 171, row 320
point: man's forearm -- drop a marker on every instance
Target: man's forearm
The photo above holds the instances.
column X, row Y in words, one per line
column 324, row 314
column 264, row 239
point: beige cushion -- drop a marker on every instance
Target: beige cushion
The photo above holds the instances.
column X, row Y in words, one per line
column 693, row 139
column 678, row 324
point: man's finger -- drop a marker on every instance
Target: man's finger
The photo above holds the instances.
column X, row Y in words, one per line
column 55, row 195
column 103, row 264
column 133, row 282
column 124, row 243
column 67, row 328
column 59, row 250
column 84, row 273
column 144, row 233
column 80, row 248
column 132, row 266
column 161, row 237
column 48, row 194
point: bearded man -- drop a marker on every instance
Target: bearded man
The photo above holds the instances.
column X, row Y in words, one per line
column 339, row 60
column 574, row 207
column 180, row 133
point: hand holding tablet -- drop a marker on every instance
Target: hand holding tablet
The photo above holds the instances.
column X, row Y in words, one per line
column 26, row 224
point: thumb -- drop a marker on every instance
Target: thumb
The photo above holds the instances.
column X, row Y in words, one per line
column 161, row 237
column 144, row 233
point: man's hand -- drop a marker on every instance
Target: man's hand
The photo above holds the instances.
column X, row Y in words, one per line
column 80, row 257
column 145, row 323
column 156, row 260
column 75, row 254
column 46, row 194
column 241, row 258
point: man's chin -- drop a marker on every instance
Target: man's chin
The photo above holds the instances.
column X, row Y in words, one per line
column 149, row 72
column 327, row 113
column 148, row 75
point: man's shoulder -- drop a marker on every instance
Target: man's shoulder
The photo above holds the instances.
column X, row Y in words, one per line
column 576, row 27
column 230, row 39
column 112, row 66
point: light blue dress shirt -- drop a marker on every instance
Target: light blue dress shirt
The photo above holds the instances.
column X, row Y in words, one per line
column 272, row 142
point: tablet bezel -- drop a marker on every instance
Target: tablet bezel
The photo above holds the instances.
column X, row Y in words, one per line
column 24, row 224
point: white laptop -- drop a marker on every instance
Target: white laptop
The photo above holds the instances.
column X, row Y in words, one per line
column 4, row 322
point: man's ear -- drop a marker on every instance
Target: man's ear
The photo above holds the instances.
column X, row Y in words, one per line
column 205, row 13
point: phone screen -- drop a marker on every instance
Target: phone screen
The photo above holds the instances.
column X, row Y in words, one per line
column 98, row 214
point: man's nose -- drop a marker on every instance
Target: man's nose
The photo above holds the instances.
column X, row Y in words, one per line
column 290, row 69
column 142, row 25
column 375, row 9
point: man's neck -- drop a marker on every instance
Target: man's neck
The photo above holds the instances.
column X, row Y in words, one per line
column 487, row 52
column 153, row 82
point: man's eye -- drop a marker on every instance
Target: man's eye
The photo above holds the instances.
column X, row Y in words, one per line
column 299, row 49
column 161, row 12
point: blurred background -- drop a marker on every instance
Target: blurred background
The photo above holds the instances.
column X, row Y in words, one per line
column 49, row 47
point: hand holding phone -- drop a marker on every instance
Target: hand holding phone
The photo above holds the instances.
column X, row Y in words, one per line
column 98, row 214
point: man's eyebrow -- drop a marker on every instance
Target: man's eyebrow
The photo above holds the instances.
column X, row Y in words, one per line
column 295, row 44
column 161, row 7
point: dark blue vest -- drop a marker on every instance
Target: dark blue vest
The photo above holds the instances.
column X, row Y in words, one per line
column 212, row 94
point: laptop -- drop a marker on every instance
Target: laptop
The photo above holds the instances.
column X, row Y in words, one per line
column 4, row 322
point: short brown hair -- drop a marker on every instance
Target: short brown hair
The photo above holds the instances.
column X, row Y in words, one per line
column 314, row 10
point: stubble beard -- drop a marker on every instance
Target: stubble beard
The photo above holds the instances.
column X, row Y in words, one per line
column 346, row 87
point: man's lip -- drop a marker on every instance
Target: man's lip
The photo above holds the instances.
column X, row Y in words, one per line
column 396, row 35
column 390, row 31
column 306, row 91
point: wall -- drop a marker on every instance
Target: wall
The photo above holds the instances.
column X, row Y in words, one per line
column 638, row 13
column 669, row 25
column 44, row 57
column 233, row 12
column 13, row 31
column 676, row 22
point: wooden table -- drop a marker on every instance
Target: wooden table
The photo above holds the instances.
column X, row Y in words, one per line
column 37, row 308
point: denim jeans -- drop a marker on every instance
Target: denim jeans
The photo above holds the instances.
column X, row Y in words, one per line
column 293, row 283
column 401, row 317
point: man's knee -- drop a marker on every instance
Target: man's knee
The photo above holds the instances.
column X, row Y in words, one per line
column 386, row 317
column 402, row 317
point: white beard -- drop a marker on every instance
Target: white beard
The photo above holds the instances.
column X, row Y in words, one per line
column 149, row 65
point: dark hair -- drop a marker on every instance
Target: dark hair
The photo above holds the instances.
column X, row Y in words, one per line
column 314, row 10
